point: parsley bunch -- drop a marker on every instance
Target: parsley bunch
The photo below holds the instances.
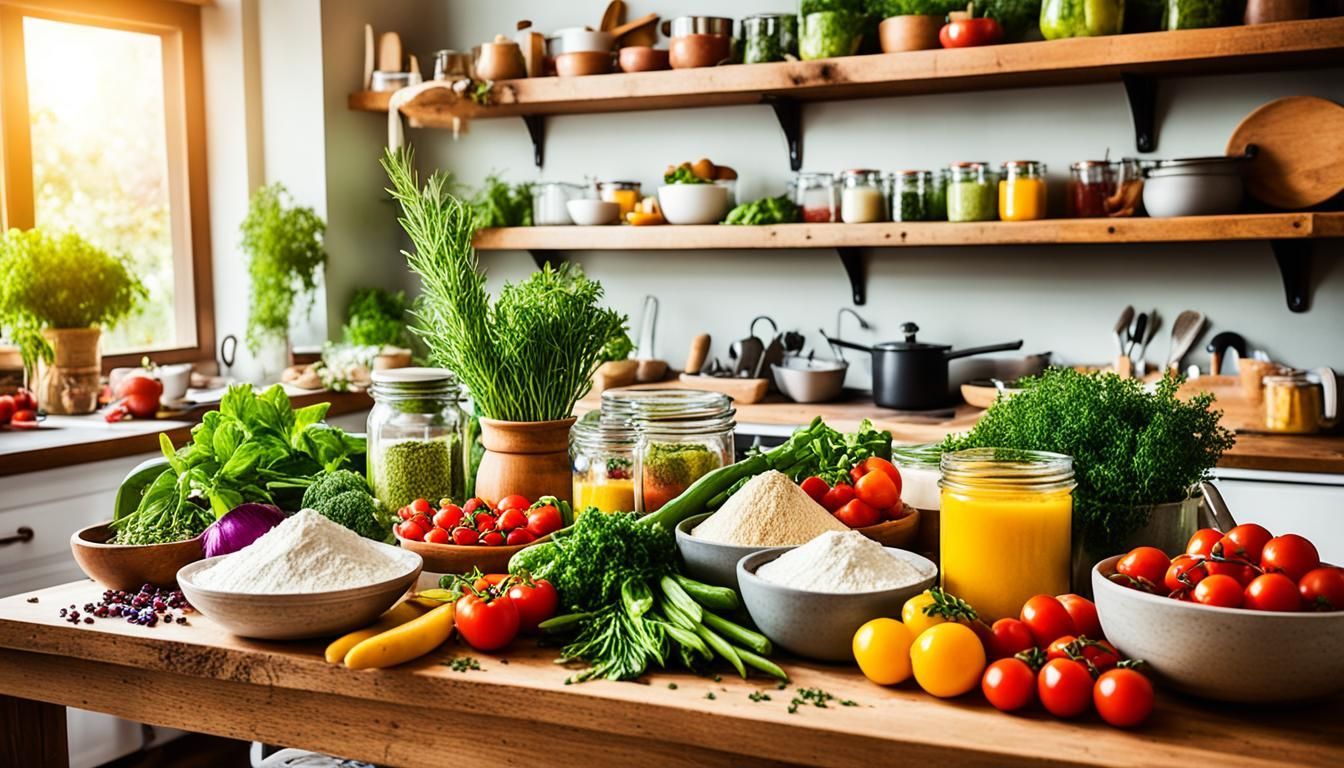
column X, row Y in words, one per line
column 1131, row 448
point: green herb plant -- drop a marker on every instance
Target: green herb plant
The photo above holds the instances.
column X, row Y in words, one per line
column 284, row 247
column 683, row 174
column 501, row 204
column 885, row 9
column 767, row 210
column 377, row 318
column 528, row 356
column 60, row 281
column 1131, row 449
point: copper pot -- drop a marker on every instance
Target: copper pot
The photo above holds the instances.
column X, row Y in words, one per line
column 699, row 50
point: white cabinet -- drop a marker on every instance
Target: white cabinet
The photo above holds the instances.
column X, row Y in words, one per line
column 1307, row 504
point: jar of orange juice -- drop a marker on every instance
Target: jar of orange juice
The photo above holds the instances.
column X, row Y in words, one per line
column 1006, row 527
column 1022, row 191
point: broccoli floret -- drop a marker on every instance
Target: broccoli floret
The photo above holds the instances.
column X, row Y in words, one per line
column 332, row 484
column 358, row 511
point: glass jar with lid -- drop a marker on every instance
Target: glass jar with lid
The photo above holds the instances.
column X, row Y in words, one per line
column 1091, row 184
column 623, row 193
column 972, row 194
column 1006, row 522
column 681, row 434
column 1081, row 18
column 602, row 454
column 549, row 201
column 909, row 192
column 918, row 465
column 814, row 193
column 1197, row 14
column 1022, row 191
column 416, row 433
column 935, row 200
column 769, row 37
column 1301, row 402
column 861, row 197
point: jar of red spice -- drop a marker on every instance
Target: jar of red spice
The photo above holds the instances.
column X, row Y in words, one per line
column 1091, row 183
column 814, row 193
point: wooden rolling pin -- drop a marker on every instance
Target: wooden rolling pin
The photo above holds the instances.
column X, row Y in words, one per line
column 695, row 359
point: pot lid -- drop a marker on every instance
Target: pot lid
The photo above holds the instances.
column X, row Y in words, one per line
column 910, row 329
column 1213, row 160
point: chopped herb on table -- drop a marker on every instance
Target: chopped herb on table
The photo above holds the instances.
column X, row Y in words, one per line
column 462, row 664
column 758, row 696
column 711, row 696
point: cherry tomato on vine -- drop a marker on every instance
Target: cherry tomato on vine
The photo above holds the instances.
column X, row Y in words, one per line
column 913, row 616
column 536, row 602
column 1059, row 648
column 464, row 536
column 421, row 506
column 438, row 536
column 1272, row 592
column 877, row 490
column 518, row 537
column 858, row 514
column 448, row 517
column 815, row 487
column 1009, row 637
column 1291, row 555
column 1064, row 687
column 1322, row 589
column 1202, row 542
column 1242, row 572
column 486, row 625
column 1084, row 615
column 1146, row 563
column 1047, row 619
column 1220, row 590
column 1185, row 572
column 515, row 501
column 1123, row 697
column 1009, row 684
column 510, row 519
column 837, row 497
column 474, row 504
column 1245, row 542
column 410, row 531
column 544, row 520
column 492, row 538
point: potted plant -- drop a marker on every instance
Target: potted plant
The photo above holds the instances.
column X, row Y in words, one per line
column 56, row 294
column 377, row 318
column 526, row 357
column 909, row 25
column 1138, row 456
column 284, row 247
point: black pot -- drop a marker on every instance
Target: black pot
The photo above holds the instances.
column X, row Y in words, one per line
column 912, row 375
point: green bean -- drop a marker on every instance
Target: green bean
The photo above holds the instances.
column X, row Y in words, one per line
column 688, row 639
column 679, row 598
column 564, row 623
column 722, row 648
column 713, row 598
column 763, row 664
column 678, row 617
column 737, row 633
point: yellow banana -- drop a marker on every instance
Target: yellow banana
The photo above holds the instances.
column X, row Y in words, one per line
column 400, row 644
column 397, row 615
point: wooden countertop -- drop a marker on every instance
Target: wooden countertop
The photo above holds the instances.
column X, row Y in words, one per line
column 200, row 678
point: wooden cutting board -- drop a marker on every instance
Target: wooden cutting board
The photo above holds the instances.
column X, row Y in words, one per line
column 1301, row 151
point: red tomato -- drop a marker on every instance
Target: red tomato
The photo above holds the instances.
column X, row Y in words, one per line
column 1060, row 648
column 535, row 603
column 1009, row 684
column 1202, row 542
column 510, row 519
column 486, row 626
column 968, row 32
column 1009, row 637
column 6, row 409
column 1184, row 573
column 410, row 531
column 544, row 520
column 1123, row 697
column 1272, row 592
column 449, row 517
column 518, row 537
column 815, row 487
column 857, row 514
column 426, row 525
column 421, row 506
column 1290, row 554
column 438, row 536
column 1047, row 619
column 489, row 580
column 1146, row 563
column 879, row 464
column 24, row 400
column 483, row 521
column 405, row 513
column 1064, row 687
column 24, row 418
column 464, row 536
column 1240, row 571
column 474, row 504
column 1103, row 655
column 1245, row 542
column 1322, row 589
column 1084, row 615
column 837, row 497
column 1220, row 590
column 515, row 501
column 492, row 538
column 878, row 491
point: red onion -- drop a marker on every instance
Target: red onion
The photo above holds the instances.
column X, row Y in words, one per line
column 243, row 525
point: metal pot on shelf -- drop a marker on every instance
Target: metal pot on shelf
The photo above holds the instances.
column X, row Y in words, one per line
column 911, row 375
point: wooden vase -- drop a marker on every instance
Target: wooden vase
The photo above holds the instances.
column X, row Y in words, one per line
column 526, row 457
column 909, row 33
column 70, row 383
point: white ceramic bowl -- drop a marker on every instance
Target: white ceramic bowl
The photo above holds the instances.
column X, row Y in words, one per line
column 693, row 203
column 296, row 616
column 591, row 213
column 579, row 40
column 1186, row 192
column 1227, row 654
column 810, row 381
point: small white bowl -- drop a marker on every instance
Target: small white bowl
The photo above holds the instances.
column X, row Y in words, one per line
column 693, row 203
column 810, row 381
column 592, row 213
column 581, row 39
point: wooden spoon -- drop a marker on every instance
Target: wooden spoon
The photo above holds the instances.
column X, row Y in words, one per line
column 634, row 29
column 613, row 16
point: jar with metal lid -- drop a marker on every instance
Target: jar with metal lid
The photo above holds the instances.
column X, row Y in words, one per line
column 769, row 37
column 1091, row 183
column 861, row 197
column 623, row 193
column 1197, row 14
column 971, row 193
column 827, row 30
column 1081, row 18
column 908, row 191
column 550, row 200
column 416, row 434
column 602, row 454
column 919, row 468
column 682, row 434
column 814, row 193
column 935, row 200
column 1006, row 522
column 1022, row 191
column 1301, row 402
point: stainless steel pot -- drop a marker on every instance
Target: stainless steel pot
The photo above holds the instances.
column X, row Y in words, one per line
column 698, row 25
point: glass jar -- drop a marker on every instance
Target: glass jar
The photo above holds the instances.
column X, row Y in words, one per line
column 1022, row 191
column 814, row 193
column 861, row 197
column 1006, row 526
column 769, row 37
column 623, row 193
column 918, row 465
column 416, row 433
column 1195, row 14
column 602, row 454
column 909, row 191
column 1300, row 403
column 1128, row 182
column 828, row 33
column 549, row 200
column 1081, row 18
column 971, row 193
column 681, row 434
column 936, row 200
column 1091, row 183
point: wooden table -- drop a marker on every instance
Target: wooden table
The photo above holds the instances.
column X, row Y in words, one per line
column 518, row 711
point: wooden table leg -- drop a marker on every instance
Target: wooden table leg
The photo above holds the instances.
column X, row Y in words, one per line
column 32, row 733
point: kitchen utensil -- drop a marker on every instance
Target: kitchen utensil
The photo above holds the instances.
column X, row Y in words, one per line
column 624, row 30
column 1218, row 346
column 912, row 375
column 983, row 392
column 581, row 63
column 583, row 40
column 228, row 353
column 1136, row 333
column 1216, row 507
column 128, row 566
column 368, row 57
column 693, row 203
column 746, row 356
column 741, row 390
column 699, row 41
column 533, row 45
column 389, row 52
column 1140, row 362
column 1194, row 187
column 501, row 59
column 613, row 15
column 774, row 350
column 1122, row 328
column 591, row 213
column 1270, row 11
column 392, row 81
column 642, row 58
column 695, row 357
column 711, row 562
column 1187, row 329
column 1301, row 402
column 644, row 350
column 1298, row 164
column 864, row 325
column 803, row 380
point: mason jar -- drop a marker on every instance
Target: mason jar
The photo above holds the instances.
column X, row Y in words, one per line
column 935, row 200
column 769, row 37
column 623, row 193
column 681, row 435
column 861, row 197
column 1006, row 522
column 416, row 434
column 908, row 191
column 1091, row 185
column 1022, row 191
column 920, row 473
column 602, row 454
column 971, row 193
column 814, row 193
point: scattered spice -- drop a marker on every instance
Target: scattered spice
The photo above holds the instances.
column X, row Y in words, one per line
column 672, row 686
column 758, row 696
column 711, row 696
column 817, row 698
column 147, row 607
column 462, row 664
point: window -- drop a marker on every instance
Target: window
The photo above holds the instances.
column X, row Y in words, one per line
column 102, row 121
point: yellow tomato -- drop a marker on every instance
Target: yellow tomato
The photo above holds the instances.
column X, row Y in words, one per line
column 912, row 613
column 882, row 649
column 947, row 659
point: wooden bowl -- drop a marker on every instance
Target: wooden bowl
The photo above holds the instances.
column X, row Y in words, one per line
column 642, row 58
column 452, row 558
column 895, row 533
column 580, row 63
column 130, row 566
column 981, row 395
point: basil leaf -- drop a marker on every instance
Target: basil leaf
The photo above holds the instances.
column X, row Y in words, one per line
column 243, row 461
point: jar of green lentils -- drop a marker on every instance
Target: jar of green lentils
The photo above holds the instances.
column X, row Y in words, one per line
column 908, row 192
column 416, row 434
column 935, row 198
column 972, row 193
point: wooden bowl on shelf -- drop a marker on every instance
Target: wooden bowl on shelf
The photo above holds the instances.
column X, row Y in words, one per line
column 580, row 63
column 643, row 58
column 899, row 533
column 453, row 558
column 131, row 566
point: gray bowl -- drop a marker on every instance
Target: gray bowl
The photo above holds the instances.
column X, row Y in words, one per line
column 820, row 625
column 810, row 381
column 710, row 561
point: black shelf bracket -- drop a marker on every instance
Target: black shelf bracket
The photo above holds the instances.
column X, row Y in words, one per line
column 542, row 258
column 852, row 260
column 1142, row 93
column 536, row 129
column 1294, row 258
column 789, row 113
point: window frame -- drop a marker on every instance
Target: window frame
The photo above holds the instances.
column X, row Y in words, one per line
column 178, row 25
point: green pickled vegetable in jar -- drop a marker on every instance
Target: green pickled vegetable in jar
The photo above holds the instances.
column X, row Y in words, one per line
column 972, row 193
column 1195, row 14
column 1081, row 18
column 769, row 37
column 827, row 34
column 908, row 191
column 935, row 198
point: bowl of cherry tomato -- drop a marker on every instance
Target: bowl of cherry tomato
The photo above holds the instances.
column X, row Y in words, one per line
column 1240, row 616
column 454, row 539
